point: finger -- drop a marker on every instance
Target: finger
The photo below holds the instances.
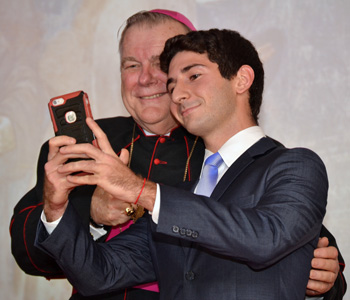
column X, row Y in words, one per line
column 88, row 166
column 58, row 161
column 311, row 293
column 82, row 179
column 323, row 276
column 327, row 252
column 101, row 137
column 328, row 265
column 82, row 150
column 77, row 157
column 315, row 287
column 57, row 142
column 323, row 242
column 55, row 162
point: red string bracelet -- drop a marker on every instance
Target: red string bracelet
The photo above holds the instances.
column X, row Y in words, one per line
column 138, row 197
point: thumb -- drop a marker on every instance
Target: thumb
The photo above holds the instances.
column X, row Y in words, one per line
column 124, row 156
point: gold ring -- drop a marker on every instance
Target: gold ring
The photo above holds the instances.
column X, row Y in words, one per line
column 129, row 211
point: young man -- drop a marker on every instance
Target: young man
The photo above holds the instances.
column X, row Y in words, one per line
column 263, row 217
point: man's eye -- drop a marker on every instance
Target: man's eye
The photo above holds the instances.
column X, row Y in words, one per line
column 130, row 66
column 194, row 76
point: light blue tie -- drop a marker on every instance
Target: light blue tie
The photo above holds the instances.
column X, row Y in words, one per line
column 209, row 177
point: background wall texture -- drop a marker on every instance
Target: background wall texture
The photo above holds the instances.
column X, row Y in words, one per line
column 48, row 48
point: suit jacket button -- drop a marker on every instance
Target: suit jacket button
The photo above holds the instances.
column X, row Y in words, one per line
column 182, row 231
column 190, row 275
column 195, row 234
column 189, row 232
column 176, row 229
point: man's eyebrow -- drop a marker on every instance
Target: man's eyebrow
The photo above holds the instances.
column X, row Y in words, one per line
column 154, row 58
column 186, row 69
column 183, row 70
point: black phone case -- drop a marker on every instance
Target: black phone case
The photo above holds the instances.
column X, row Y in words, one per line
column 68, row 113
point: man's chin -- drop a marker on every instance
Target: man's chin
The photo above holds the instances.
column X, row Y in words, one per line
column 191, row 128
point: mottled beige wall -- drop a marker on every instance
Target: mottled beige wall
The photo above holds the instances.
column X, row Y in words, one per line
column 48, row 48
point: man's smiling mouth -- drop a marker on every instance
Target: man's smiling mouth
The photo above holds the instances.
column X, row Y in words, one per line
column 187, row 110
column 152, row 97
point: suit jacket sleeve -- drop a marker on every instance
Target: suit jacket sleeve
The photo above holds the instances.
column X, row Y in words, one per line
column 94, row 268
column 338, row 290
column 272, row 206
column 25, row 220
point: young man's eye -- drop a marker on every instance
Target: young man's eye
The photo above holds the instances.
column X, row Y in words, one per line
column 194, row 76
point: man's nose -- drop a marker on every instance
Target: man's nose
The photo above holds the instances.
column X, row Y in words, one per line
column 149, row 75
column 179, row 93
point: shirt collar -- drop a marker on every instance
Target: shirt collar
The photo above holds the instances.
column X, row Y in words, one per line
column 238, row 144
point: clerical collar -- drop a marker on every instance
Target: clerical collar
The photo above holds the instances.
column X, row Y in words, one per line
column 147, row 133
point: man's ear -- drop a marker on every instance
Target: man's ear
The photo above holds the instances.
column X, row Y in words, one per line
column 245, row 77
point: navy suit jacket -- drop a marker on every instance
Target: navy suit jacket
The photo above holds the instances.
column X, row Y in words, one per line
column 252, row 239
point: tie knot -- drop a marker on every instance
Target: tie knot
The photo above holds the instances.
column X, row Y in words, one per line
column 214, row 160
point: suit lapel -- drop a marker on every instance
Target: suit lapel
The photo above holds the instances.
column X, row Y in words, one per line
column 261, row 147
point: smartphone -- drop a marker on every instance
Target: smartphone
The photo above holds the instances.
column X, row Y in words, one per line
column 68, row 114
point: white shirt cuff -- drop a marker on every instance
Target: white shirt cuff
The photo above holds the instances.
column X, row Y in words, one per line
column 50, row 226
column 97, row 232
column 156, row 207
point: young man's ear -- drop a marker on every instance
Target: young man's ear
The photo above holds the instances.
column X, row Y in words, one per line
column 245, row 76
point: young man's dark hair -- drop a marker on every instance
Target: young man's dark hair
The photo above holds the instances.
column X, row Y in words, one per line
column 228, row 49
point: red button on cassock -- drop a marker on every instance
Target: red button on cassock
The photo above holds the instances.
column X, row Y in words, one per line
column 156, row 161
column 162, row 140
